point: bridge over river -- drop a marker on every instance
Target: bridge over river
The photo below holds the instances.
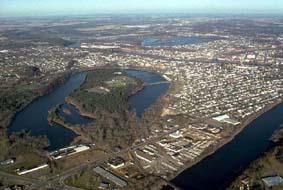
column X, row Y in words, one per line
column 156, row 83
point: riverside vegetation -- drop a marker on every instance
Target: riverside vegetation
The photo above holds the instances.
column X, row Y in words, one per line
column 104, row 97
column 26, row 149
column 269, row 164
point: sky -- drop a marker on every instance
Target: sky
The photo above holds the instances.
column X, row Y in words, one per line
column 78, row 7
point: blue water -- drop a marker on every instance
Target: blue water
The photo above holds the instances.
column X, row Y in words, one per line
column 216, row 171
column 74, row 117
column 34, row 117
column 142, row 100
column 213, row 173
column 176, row 41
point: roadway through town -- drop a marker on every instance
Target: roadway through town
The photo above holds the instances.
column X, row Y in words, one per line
column 57, row 181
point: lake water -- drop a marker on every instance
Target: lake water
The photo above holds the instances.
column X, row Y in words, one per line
column 212, row 173
column 74, row 117
column 140, row 101
column 34, row 117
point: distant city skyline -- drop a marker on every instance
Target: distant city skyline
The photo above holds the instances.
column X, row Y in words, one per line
column 76, row 7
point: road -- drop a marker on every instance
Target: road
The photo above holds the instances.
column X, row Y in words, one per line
column 58, row 180
column 94, row 163
column 34, row 184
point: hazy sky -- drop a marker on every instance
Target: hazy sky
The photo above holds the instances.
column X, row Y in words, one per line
column 63, row 7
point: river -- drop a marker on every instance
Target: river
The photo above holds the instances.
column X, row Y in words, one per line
column 216, row 171
column 212, row 173
column 33, row 118
column 176, row 41
column 146, row 97
column 72, row 115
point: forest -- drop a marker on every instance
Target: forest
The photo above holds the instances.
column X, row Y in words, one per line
column 117, row 89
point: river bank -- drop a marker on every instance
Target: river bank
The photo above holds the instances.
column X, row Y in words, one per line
column 56, row 82
column 83, row 131
column 207, row 153
column 35, row 114
column 50, row 100
column 86, row 114
column 80, row 136
column 269, row 164
column 80, row 108
column 221, row 145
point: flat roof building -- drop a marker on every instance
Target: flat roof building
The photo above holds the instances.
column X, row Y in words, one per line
column 226, row 119
column 143, row 156
column 110, row 176
column 272, row 181
column 176, row 135
column 116, row 162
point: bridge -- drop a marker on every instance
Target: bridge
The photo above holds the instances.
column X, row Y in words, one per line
column 156, row 83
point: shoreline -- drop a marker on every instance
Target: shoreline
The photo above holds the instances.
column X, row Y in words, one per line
column 83, row 113
column 206, row 154
column 58, row 81
column 63, row 78
column 218, row 146
column 79, row 107
column 275, row 143
column 79, row 136
column 78, row 130
column 227, row 140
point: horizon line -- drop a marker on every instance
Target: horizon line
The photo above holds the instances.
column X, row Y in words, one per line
column 151, row 13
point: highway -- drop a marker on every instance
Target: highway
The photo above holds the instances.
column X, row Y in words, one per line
column 33, row 184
